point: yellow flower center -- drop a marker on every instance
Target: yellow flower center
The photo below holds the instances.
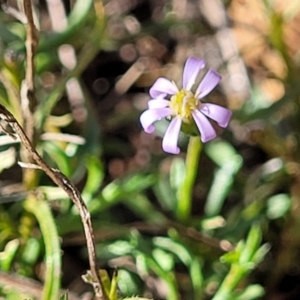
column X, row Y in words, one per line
column 183, row 104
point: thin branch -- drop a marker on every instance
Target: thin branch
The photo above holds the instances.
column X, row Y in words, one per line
column 62, row 181
column 159, row 229
column 28, row 99
column 31, row 44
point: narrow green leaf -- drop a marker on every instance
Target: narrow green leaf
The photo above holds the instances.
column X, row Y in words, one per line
column 45, row 219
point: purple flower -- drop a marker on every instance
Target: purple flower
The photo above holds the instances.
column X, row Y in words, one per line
column 185, row 106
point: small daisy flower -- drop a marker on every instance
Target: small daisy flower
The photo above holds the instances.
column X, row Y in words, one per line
column 184, row 106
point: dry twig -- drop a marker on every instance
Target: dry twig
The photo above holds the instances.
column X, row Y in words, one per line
column 62, row 181
column 27, row 91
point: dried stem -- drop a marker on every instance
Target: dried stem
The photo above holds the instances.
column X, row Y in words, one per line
column 27, row 91
column 62, row 181
column 31, row 44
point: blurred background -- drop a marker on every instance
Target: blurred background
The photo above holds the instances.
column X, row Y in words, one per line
column 95, row 62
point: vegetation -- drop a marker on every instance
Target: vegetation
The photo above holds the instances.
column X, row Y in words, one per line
column 91, row 207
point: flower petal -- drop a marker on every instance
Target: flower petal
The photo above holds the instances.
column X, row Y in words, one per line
column 162, row 86
column 218, row 113
column 206, row 130
column 191, row 70
column 170, row 139
column 158, row 103
column 149, row 116
column 208, row 83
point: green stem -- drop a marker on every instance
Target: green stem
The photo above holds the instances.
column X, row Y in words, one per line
column 43, row 214
column 185, row 193
column 230, row 282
